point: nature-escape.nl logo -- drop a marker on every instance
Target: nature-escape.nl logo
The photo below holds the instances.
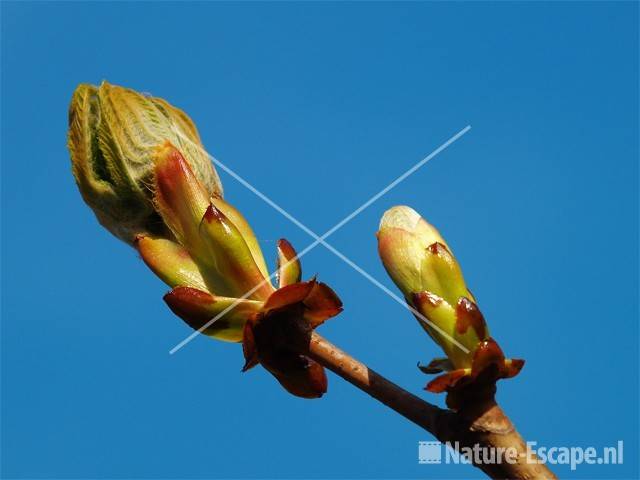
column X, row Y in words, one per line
column 454, row 453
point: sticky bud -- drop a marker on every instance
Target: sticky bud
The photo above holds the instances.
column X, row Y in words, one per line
column 421, row 264
column 113, row 134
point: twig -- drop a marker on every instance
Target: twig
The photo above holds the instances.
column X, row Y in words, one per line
column 483, row 423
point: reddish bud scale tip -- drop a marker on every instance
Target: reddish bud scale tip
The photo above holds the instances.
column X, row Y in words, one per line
column 288, row 265
column 429, row 298
column 190, row 304
column 513, row 367
column 286, row 248
column 468, row 315
column 438, row 248
column 212, row 214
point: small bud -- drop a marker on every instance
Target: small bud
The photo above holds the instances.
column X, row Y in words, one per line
column 421, row 264
column 113, row 134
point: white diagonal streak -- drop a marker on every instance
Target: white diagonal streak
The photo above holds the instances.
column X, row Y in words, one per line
column 321, row 239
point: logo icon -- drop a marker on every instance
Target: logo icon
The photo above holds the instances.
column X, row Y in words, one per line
column 429, row 452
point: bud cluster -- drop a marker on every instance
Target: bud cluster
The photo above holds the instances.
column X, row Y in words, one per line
column 140, row 166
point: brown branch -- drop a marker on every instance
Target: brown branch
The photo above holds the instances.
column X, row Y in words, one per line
column 482, row 423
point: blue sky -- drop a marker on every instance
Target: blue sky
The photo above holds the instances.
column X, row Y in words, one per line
column 320, row 106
